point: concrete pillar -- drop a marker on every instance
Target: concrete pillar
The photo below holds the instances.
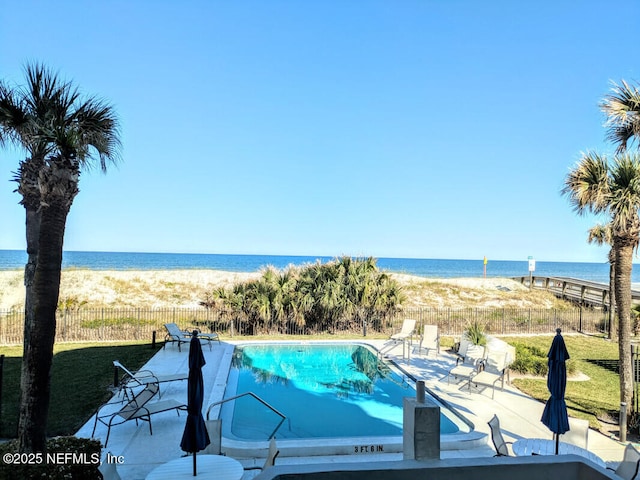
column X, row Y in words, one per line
column 421, row 427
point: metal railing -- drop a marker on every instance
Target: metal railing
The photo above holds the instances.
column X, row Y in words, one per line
column 251, row 394
column 107, row 324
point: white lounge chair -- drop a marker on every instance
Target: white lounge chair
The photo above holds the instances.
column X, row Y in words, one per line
column 578, row 433
column 109, row 470
column 272, row 453
column 469, row 364
column 499, row 443
column 463, row 345
column 493, row 370
column 408, row 327
column 214, row 428
column 628, row 468
column 430, row 339
column 175, row 335
column 144, row 377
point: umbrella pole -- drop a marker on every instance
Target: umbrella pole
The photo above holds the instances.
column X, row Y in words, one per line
column 557, row 443
column 194, row 464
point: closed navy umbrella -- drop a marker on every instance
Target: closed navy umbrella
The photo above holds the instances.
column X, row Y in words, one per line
column 555, row 411
column 195, row 436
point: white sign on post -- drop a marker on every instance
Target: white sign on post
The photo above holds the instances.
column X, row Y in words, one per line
column 532, row 264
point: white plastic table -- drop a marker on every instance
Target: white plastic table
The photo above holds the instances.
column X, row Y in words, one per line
column 207, row 466
column 542, row 446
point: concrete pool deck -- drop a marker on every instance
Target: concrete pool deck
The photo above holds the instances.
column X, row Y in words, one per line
column 141, row 452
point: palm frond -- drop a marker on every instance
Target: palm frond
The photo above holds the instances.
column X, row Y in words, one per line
column 625, row 190
column 622, row 108
column 601, row 234
column 587, row 184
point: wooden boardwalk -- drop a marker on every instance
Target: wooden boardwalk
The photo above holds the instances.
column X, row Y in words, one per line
column 583, row 292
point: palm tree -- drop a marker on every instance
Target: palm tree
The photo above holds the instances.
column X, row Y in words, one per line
column 602, row 235
column 62, row 134
column 601, row 186
column 622, row 108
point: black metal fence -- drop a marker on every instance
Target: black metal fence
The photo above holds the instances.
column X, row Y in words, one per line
column 107, row 324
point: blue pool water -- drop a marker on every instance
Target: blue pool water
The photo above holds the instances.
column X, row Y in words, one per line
column 325, row 390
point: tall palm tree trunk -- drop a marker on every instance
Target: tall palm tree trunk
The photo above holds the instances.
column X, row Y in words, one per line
column 624, row 256
column 35, row 380
column 27, row 178
column 613, row 330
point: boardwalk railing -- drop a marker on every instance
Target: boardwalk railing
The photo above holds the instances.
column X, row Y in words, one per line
column 138, row 324
column 583, row 292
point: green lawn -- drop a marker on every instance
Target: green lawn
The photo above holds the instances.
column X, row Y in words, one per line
column 80, row 380
column 585, row 399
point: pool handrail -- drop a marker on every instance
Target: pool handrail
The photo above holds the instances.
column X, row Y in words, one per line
column 282, row 416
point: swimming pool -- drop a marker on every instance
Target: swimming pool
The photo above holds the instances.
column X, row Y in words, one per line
column 337, row 391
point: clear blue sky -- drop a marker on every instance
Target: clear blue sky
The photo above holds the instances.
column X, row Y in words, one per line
column 427, row 129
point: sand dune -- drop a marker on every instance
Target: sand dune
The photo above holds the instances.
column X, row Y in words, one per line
column 185, row 288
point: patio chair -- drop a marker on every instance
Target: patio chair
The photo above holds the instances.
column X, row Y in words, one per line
column 493, row 369
column 144, row 377
column 108, row 470
column 174, row 334
column 462, row 345
column 467, row 365
column 628, row 467
column 214, row 427
column 429, row 340
column 578, row 433
column 138, row 408
column 499, row 443
column 271, row 456
column 408, row 327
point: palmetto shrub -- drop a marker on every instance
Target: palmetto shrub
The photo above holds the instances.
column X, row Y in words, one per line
column 340, row 294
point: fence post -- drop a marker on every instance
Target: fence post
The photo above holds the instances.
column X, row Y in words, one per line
column 116, row 380
column 623, row 422
column 153, row 339
column 580, row 320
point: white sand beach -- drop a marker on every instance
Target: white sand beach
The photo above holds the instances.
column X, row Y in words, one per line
column 186, row 288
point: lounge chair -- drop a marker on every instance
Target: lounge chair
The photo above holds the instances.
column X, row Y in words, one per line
column 429, row 340
column 463, row 344
column 628, row 468
column 144, row 377
column 174, row 334
column 501, row 446
column 138, row 408
column 109, row 470
column 214, row 428
column 469, row 364
column 578, row 433
column 408, row 327
column 492, row 370
column 271, row 456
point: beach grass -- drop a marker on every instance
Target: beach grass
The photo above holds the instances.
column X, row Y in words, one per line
column 80, row 379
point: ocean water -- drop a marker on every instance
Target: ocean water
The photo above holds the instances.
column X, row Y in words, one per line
column 434, row 268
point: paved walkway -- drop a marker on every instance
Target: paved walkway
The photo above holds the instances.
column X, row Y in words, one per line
column 141, row 452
